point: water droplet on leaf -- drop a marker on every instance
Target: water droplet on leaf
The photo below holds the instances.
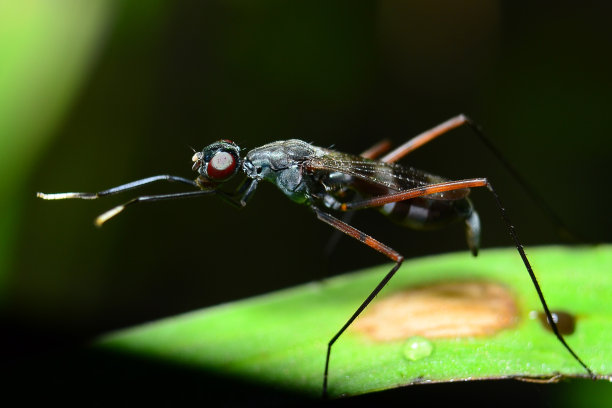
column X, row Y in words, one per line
column 417, row 348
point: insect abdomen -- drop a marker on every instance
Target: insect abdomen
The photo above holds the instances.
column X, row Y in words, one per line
column 426, row 214
column 423, row 213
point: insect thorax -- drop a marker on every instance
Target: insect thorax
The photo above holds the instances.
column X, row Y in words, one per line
column 281, row 163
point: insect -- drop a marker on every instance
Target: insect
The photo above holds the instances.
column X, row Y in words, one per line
column 331, row 182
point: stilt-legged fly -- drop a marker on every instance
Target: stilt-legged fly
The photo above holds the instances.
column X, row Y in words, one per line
column 331, row 182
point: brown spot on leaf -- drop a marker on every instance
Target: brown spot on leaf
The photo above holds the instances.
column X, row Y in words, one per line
column 566, row 322
column 449, row 309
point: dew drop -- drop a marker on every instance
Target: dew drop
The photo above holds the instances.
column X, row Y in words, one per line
column 417, row 348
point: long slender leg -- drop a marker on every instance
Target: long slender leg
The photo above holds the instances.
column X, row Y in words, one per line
column 371, row 153
column 372, row 243
column 469, row 183
column 561, row 228
column 116, row 210
column 424, row 138
column 118, row 189
column 376, row 150
column 449, row 186
column 399, row 152
column 241, row 196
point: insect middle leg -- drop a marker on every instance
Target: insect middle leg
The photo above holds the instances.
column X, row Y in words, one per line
column 371, row 153
column 384, row 145
column 372, row 243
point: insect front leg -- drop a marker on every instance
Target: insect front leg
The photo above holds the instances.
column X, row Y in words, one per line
column 102, row 218
column 242, row 195
column 118, row 189
column 130, row 186
column 372, row 243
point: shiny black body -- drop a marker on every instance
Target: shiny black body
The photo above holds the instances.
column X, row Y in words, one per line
column 326, row 178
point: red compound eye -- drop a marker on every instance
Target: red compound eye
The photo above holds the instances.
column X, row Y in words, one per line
column 221, row 166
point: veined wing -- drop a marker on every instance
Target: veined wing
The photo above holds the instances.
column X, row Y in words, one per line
column 393, row 176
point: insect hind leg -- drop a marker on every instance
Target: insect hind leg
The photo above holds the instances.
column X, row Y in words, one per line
column 472, row 183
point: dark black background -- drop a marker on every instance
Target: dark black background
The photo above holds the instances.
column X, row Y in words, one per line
column 345, row 74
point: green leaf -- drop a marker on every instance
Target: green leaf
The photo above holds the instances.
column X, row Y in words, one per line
column 280, row 339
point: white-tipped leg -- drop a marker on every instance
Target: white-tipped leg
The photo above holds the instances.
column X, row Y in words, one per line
column 118, row 189
column 64, row 196
column 102, row 218
column 116, row 210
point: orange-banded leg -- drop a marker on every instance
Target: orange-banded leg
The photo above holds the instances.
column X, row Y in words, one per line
column 372, row 243
column 371, row 153
column 426, row 137
column 384, row 145
column 451, row 186
column 561, row 228
column 376, row 150
column 417, row 141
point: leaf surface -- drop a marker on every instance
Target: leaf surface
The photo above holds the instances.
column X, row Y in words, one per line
column 280, row 339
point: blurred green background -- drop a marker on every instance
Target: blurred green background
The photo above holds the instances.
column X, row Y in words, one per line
column 98, row 93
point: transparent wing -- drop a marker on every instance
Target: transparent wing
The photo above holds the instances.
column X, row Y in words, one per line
column 393, row 176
